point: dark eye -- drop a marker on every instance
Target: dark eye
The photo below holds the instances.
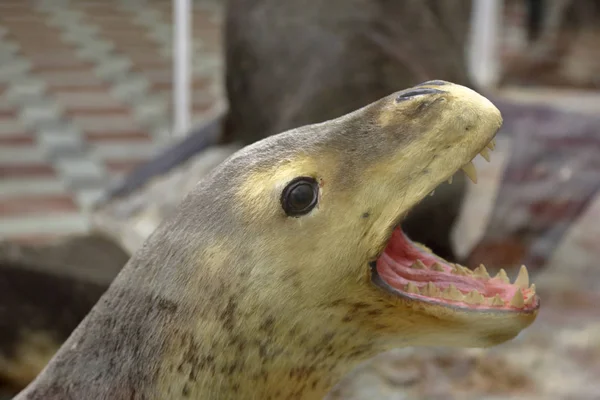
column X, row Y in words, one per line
column 300, row 196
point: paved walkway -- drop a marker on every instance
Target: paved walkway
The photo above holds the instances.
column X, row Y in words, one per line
column 84, row 97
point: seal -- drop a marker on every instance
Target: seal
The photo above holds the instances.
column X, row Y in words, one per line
column 286, row 267
column 287, row 64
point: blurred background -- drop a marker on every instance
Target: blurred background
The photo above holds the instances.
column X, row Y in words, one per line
column 85, row 96
column 98, row 143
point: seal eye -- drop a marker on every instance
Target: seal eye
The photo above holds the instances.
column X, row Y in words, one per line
column 300, row 196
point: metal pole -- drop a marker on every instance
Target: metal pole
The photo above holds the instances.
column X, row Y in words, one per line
column 485, row 31
column 182, row 44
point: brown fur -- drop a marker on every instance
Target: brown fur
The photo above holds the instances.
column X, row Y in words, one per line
column 230, row 298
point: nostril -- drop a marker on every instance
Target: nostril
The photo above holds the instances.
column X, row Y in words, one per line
column 417, row 92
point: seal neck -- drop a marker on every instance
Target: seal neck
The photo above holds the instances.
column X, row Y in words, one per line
column 263, row 358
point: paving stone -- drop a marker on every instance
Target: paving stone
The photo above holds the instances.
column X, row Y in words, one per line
column 65, row 17
column 77, row 38
column 24, row 89
column 131, row 89
column 117, row 137
column 123, row 150
column 13, row 68
column 162, row 36
column 87, row 198
column 5, row 106
column 92, row 123
column 113, row 68
column 70, row 78
column 56, row 59
column 20, row 156
column 59, row 141
column 93, row 54
column 8, row 48
column 86, row 100
column 93, row 43
column 31, row 187
column 161, row 132
column 41, row 112
column 26, row 170
column 142, row 60
column 40, row 204
column 48, row 5
column 20, row 140
column 150, row 109
column 81, row 171
column 11, row 126
column 144, row 17
column 72, row 31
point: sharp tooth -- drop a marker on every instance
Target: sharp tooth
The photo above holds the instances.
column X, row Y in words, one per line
column 492, row 144
column 474, row 297
column 418, row 265
column 460, row 270
column 485, row 154
column 432, row 193
column 532, row 288
column 438, row 267
column 522, row 280
column 431, row 290
column 502, row 276
column 452, row 293
column 497, row 301
column 470, row 171
column 481, row 272
column 412, row 288
column 517, row 300
column 422, row 247
column 529, row 300
column 450, row 180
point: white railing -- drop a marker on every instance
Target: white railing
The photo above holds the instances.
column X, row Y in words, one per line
column 182, row 58
column 484, row 65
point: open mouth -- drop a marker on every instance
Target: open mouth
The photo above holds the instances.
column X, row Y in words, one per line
column 410, row 270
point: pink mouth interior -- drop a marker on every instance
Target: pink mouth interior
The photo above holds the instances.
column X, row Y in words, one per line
column 394, row 268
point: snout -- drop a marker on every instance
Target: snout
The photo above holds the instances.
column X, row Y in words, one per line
column 465, row 102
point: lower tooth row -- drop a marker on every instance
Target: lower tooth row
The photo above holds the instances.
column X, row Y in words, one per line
column 473, row 297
